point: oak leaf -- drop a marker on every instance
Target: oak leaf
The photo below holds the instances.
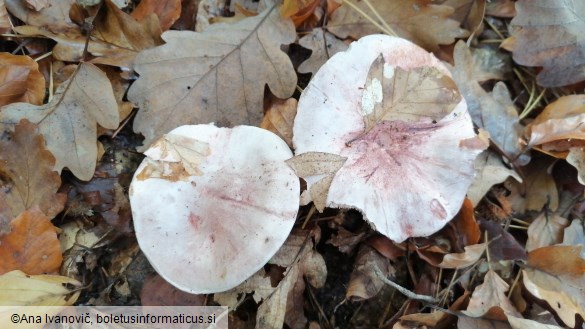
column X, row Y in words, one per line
column 556, row 274
column 549, row 33
column 31, row 246
column 419, row 21
column 317, row 163
column 27, row 178
column 214, row 76
column 323, row 45
column 20, row 80
column 69, row 121
column 490, row 171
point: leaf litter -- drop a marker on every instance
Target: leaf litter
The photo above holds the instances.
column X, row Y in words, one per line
column 68, row 153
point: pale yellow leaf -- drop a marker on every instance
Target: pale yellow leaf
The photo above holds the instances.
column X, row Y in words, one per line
column 20, row 289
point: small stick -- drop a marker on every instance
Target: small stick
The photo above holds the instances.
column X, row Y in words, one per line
column 409, row 294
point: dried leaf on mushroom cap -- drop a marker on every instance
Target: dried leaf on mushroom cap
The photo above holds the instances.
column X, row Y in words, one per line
column 212, row 205
column 393, row 111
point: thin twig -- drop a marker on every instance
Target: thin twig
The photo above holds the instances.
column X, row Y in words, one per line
column 402, row 290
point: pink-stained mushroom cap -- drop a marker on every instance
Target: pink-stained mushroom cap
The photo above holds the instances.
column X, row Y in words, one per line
column 212, row 205
column 408, row 177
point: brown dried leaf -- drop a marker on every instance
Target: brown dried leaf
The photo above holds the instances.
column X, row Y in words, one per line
column 19, row 288
column 20, row 80
column 345, row 240
column 501, row 8
column 69, row 121
column 364, row 282
column 546, row 230
column 560, row 120
column 556, row 274
column 490, row 171
column 167, row 11
column 215, row 76
column 492, row 292
column 495, row 111
column 37, row 5
column 419, row 21
column 317, row 163
column 280, row 117
column 549, row 34
column 27, row 178
column 506, row 247
column 31, row 246
column 54, row 17
column 394, row 94
column 323, row 45
column 471, row 255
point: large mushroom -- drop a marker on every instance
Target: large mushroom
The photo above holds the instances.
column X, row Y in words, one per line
column 394, row 118
column 212, row 205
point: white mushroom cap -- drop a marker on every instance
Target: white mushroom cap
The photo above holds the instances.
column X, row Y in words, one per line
column 414, row 182
column 212, row 205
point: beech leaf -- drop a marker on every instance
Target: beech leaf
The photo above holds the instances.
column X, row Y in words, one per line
column 20, row 80
column 69, row 121
column 31, row 246
column 214, row 76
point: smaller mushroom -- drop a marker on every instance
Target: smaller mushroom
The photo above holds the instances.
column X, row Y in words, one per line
column 212, row 205
column 396, row 131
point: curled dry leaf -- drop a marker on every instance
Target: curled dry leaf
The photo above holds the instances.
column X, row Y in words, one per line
column 27, row 178
column 20, row 289
column 546, row 230
column 419, row 21
column 31, row 246
column 69, row 121
column 561, row 120
column 280, row 118
column 323, row 45
column 555, row 274
column 409, row 163
column 549, row 34
column 364, row 282
column 20, row 80
column 214, row 76
column 471, row 255
column 233, row 199
column 539, row 187
column 469, row 13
